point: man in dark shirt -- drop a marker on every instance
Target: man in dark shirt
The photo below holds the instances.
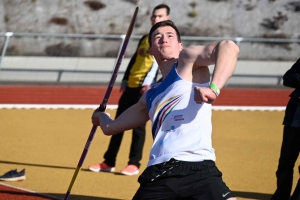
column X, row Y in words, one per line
column 290, row 147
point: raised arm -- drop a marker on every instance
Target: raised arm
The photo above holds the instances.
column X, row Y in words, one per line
column 131, row 118
column 222, row 54
column 225, row 55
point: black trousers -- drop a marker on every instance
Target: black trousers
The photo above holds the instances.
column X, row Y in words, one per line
column 129, row 97
column 174, row 180
column 288, row 155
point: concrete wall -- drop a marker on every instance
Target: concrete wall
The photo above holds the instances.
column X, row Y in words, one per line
column 98, row 70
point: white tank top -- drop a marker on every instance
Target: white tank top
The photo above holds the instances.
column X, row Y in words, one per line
column 181, row 129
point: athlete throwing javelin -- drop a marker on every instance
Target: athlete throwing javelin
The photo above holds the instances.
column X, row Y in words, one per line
column 182, row 159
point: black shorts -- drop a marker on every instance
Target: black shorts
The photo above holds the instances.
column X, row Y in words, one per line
column 182, row 180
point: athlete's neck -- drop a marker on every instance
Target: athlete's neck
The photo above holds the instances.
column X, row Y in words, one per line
column 165, row 66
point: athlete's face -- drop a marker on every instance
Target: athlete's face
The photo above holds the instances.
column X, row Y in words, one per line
column 165, row 43
column 159, row 15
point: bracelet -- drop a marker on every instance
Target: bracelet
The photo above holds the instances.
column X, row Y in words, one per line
column 215, row 89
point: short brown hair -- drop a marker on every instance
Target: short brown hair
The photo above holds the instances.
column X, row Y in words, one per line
column 162, row 24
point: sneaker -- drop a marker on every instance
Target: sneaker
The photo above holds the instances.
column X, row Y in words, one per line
column 130, row 170
column 101, row 167
column 13, row 175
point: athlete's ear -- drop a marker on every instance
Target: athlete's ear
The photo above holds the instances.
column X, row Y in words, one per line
column 180, row 46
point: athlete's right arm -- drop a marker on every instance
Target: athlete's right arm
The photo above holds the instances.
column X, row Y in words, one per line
column 131, row 118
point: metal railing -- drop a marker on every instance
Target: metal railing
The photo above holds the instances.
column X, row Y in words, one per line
column 59, row 72
column 237, row 40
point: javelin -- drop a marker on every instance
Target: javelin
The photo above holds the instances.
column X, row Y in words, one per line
column 102, row 106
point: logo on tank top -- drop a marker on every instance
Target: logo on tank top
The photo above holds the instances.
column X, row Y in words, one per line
column 178, row 118
column 165, row 137
column 170, row 130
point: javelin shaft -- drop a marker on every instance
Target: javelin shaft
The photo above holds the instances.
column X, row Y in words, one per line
column 102, row 106
column 118, row 64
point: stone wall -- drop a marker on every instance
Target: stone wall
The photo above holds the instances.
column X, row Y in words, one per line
column 218, row 18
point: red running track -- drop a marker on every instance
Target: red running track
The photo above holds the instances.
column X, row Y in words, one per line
column 12, row 94
column 13, row 193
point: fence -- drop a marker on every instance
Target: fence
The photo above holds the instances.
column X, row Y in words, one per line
column 83, row 58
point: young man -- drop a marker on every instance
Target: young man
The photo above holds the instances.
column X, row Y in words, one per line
column 290, row 147
column 182, row 160
column 140, row 74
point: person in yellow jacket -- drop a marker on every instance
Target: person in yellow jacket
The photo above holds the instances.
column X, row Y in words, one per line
column 141, row 72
